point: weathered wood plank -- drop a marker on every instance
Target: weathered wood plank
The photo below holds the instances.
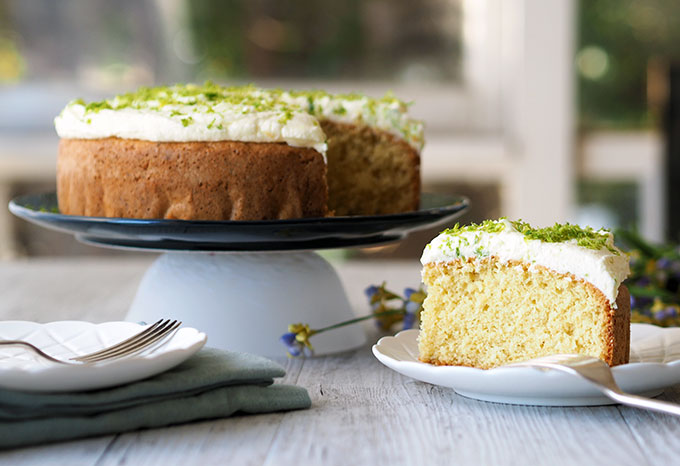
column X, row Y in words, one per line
column 79, row 452
column 365, row 413
column 658, row 435
column 238, row 440
column 44, row 290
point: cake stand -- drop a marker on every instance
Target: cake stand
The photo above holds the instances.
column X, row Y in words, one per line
column 243, row 282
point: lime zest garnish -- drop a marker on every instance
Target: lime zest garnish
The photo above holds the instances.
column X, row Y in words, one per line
column 559, row 233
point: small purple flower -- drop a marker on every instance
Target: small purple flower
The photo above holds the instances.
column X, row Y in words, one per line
column 663, row 263
column 642, row 282
column 413, row 303
column 408, row 292
column 292, row 345
column 660, row 315
column 643, row 301
column 633, row 302
column 412, row 307
column 671, row 312
column 371, row 291
column 409, row 320
column 666, row 313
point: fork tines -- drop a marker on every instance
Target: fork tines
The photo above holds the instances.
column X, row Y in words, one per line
column 143, row 340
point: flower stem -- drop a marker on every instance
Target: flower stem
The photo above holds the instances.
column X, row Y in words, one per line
column 359, row 319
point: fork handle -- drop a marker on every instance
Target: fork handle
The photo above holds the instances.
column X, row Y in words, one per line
column 642, row 402
column 25, row 344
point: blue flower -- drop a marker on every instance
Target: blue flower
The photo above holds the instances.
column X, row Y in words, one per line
column 371, row 291
column 412, row 307
column 642, row 301
column 413, row 304
column 293, row 347
column 408, row 292
column 297, row 339
column 660, row 315
column 666, row 313
column 663, row 263
column 643, row 281
column 409, row 320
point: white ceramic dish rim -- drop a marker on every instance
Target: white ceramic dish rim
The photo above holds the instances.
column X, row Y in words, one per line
column 531, row 386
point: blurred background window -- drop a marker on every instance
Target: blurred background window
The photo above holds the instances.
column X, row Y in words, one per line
column 624, row 48
column 398, row 40
column 461, row 62
column 100, row 43
column 624, row 52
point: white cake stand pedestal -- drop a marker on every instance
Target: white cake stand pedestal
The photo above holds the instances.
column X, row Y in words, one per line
column 245, row 301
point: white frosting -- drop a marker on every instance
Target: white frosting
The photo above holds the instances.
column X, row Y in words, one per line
column 213, row 113
column 603, row 268
column 223, row 123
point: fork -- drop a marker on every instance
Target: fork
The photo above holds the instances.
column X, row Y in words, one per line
column 151, row 336
column 598, row 373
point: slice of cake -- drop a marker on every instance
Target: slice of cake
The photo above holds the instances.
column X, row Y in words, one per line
column 237, row 153
column 502, row 292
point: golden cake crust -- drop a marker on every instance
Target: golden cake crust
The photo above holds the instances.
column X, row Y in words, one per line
column 614, row 321
column 220, row 180
column 619, row 330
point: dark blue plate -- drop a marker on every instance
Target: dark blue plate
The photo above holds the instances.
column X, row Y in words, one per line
column 260, row 235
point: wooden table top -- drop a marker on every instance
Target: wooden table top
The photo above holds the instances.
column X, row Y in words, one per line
column 362, row 412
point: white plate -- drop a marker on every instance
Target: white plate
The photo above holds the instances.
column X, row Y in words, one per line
column 654, row 365
column 22, row 369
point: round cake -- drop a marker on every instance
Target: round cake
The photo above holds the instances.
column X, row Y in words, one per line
column 237, row 153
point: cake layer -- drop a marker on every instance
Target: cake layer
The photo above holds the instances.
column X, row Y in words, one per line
column 486, row 312
column 370, row 171
column 217, row 180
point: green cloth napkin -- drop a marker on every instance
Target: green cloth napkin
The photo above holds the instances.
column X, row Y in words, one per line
column 211, row 384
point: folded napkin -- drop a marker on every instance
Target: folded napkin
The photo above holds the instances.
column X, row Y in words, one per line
column 211, row 384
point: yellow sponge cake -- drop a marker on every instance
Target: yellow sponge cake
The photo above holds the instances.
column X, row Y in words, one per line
column 503, row 291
